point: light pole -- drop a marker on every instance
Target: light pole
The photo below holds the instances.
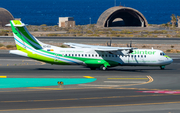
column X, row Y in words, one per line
column 90, row 20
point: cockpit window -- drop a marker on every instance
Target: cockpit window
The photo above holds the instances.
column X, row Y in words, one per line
column 162, row 54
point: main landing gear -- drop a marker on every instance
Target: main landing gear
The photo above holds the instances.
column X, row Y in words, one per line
column 102, row 67
column 162, row 67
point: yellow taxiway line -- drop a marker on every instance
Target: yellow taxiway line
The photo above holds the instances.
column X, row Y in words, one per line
column 3, row 76
column 88, row 77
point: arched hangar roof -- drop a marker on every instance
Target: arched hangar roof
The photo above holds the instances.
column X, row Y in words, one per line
column 5, row 17
column 121, row 16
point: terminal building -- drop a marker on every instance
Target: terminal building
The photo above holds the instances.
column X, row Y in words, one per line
column 120, row 16
column 5, row 17
column 66, row 22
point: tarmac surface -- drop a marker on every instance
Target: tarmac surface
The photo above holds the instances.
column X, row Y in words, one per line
column 117, row 90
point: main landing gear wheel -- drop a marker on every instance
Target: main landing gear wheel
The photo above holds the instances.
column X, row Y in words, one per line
column 162, row 67
column 103, row 68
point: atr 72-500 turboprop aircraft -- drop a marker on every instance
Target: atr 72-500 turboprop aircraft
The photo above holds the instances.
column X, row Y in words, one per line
column 81, row 54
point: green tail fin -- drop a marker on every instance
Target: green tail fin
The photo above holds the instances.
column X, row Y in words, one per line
column 22, row 36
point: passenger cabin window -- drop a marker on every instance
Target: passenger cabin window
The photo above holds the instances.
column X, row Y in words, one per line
column 89, row 55
column 85, row 55
column 144, row 56
column 96, row 55
column 92, row 55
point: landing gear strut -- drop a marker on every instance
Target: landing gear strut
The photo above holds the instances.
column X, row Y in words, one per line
column 103, row 67
column 162, row 67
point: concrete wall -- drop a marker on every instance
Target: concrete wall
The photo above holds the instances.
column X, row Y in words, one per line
column 62, row 21
column 70, row 24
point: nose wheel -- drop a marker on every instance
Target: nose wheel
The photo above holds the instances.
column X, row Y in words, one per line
column 162, row 67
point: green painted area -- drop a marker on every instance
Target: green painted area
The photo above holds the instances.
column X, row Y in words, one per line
column 23, row 31
column 17, row 22
column 41, row 82
column 167, row 56
column 19, row 35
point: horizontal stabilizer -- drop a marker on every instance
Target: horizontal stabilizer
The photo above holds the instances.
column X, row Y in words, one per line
column 18, row 52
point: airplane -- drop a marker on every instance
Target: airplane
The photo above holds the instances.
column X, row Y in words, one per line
column 92, row 56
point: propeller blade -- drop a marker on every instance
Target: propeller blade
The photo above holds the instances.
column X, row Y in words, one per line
column 110, row 41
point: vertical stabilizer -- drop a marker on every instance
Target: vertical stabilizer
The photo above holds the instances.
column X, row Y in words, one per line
column 23, row 38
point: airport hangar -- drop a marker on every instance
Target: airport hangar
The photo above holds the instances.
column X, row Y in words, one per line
column 120, row 16
column 5, row 17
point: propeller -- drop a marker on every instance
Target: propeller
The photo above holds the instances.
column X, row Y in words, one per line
column 130, row 45
column 110, row 42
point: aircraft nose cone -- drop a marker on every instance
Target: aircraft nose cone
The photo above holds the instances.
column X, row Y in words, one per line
column 171, row 60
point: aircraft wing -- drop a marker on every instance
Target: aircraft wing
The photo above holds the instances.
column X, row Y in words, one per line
column 98, row 48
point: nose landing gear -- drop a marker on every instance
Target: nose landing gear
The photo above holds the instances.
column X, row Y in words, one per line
column 162, row 67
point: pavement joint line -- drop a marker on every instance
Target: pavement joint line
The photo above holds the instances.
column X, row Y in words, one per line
column 157, row 103
column 88, row 98
column 81, row 88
